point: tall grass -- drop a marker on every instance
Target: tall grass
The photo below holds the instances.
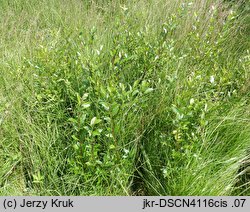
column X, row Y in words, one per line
column 124, row 98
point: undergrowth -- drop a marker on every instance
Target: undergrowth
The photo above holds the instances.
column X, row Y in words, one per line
column 124, row 98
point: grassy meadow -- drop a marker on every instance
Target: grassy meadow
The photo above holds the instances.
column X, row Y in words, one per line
column 124, row 97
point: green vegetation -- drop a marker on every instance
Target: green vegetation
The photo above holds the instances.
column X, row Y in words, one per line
column 124, row 97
